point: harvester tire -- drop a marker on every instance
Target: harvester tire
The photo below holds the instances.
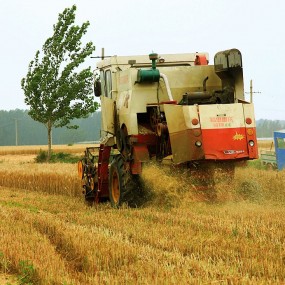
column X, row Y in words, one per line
column 118, row 180
column 123, row 186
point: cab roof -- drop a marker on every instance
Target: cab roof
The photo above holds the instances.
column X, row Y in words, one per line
column 144, row 59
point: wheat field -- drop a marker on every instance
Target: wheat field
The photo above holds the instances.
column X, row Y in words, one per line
column 178, row 236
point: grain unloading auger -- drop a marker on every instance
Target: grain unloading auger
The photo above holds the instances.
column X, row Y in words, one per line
column 171, row 107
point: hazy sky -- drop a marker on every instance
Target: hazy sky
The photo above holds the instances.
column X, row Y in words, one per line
column 129, row 27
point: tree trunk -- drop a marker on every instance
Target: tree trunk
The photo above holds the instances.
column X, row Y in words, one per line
column 49, row 126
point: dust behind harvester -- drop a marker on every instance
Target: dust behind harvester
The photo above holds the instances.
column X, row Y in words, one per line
column 174, row 108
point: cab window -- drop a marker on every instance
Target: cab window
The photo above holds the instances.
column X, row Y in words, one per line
column 281, row 143
column 102, row 79
column 108, row 83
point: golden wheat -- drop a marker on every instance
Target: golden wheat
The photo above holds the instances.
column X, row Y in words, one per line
column 29, row 149
column 198, row 243
column 175, row 238
column 266, row 145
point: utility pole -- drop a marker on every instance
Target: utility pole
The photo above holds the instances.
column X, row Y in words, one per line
column 16, row 131
column 251, row 92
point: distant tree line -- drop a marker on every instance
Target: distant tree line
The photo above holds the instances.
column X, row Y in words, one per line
column 265, row 128
column 17, row 127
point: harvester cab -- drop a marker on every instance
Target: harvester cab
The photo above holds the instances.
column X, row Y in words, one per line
column 171, row 107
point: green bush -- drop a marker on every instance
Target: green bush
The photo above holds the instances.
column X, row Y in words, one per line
column 27, row 273
column 56, row 157
column 42, row 156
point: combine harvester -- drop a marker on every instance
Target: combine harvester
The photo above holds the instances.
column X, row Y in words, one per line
column 169, row 107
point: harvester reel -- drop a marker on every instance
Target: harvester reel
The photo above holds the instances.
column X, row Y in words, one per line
column 92, row 183
column 87, row 171
column 80, row 169
column 89, row 179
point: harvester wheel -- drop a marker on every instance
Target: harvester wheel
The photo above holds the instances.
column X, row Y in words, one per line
column 122, row 141
column 117, row 182
column 123, row 186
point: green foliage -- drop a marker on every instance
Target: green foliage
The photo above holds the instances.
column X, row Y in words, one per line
column 235, row 231
column 53, row 89
column 13, row 204
column 56, row 91
column 256, row 163
column 42, row 157
column 27, row 273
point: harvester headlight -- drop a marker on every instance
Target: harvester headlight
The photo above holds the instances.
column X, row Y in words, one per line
column 251, row 143
column 198, row 143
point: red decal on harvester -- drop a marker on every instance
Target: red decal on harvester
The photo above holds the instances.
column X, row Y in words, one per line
column 221, row 119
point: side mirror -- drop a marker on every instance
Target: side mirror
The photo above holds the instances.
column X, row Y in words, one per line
column 97, row 88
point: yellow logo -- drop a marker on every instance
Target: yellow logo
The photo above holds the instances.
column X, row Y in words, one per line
column 238, row 137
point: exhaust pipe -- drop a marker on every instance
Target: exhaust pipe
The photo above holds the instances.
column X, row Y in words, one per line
column 164, row 77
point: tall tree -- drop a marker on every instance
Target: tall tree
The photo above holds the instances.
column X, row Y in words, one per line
column 54, row 88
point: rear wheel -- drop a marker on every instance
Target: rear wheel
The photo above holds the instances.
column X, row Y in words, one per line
column 124, row 187
column 123, row 141
column 118, row 179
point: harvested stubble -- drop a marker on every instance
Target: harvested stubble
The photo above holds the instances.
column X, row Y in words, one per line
column 198, row 243
column 265, row 144
column 171, row 189
column 174, row 239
